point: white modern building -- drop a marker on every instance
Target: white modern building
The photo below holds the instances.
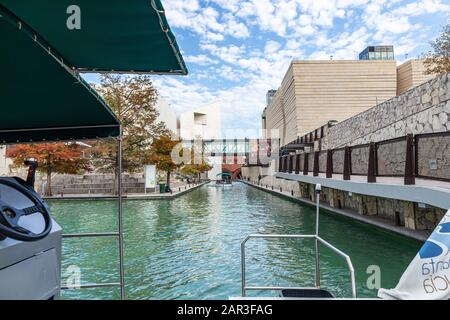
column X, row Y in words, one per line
column 4, row 162
column 166, row 115
column 203, row 123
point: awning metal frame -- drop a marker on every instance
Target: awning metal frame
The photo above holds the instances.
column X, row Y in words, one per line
column 56, row 140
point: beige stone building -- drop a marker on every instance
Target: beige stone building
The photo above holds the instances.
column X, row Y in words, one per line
column 315, row 92
column 411, row 74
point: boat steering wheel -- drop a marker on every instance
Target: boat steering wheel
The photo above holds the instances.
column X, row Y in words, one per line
column 10, row 215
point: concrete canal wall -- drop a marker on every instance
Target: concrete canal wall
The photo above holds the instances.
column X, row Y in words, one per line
column 412, row 215
column 98, row 184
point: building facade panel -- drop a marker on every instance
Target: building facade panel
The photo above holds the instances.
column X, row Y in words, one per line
column 411, row 74
column 315, row 92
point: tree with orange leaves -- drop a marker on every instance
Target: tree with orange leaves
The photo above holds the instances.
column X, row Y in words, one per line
column 52, row 157
column 161, row 151
column 438, row 62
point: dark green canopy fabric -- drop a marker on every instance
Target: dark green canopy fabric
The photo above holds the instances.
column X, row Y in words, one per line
column 114, row 35
column 224, row 174
column 40, row 100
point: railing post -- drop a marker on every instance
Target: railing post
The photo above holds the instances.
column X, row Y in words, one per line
column 305, row 164
column 297, row 164
column 120, row 215
column 316, row 164
column 416, row 155
column 329, row 164
column 371, row 170
column 257, row 152
column 235, row 152
column 409, row 163
column 291, row 159
column 347, row 163
column 243, row 268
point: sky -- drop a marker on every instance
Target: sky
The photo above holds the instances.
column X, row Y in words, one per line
column 236, row 50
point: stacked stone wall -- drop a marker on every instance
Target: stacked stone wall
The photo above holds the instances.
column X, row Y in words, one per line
column 423, row 109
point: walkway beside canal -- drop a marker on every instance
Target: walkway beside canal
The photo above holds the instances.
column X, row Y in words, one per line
column 432, row 192
column 384, row 224
column 178, row 191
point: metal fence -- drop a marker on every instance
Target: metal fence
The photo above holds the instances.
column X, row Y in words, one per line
column 391, row 157
column 424, row 156
column 432, row 155
column 360, row 159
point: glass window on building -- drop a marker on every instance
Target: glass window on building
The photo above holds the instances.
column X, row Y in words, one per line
column 377, row 53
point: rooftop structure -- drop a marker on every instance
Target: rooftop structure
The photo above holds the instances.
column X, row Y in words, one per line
column 203, row 123
column 269, row 96
column 166, row 115
column 377, row 53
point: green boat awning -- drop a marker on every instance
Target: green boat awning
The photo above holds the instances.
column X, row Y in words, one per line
column 41, row 100
column 223, row 174
column 113, row 35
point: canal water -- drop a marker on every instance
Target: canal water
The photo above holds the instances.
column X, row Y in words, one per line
column 189, row 247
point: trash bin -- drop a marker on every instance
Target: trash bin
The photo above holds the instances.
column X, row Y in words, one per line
column 162, row 188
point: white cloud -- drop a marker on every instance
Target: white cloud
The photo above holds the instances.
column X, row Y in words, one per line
column 200, row 59
column 206, row 21
column 423, row 7
column 246, row 46
column 214, row 36
column 229, row 54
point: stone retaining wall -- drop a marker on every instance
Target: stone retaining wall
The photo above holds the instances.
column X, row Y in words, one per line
column 423, row 109
column 95, row 184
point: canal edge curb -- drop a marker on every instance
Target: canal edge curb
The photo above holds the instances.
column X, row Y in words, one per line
column 130, row 197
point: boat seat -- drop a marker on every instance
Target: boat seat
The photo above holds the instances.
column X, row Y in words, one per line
column 306, row 293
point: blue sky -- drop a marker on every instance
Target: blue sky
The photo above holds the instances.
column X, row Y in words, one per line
column 236, row 50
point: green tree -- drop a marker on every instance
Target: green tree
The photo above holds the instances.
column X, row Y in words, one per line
column 197, row 165
column 438, row 62
column 132, row 99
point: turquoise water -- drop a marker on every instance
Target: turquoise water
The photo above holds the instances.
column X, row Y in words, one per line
column 189, row 247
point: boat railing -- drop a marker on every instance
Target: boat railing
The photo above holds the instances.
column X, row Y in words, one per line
column 114, row 234
column 317, row 240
